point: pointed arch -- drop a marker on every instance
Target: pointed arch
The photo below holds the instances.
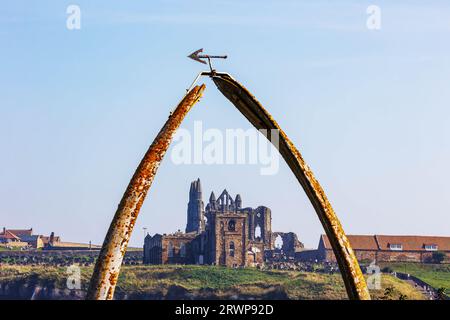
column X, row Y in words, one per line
column 108, row 264
column 258, row 234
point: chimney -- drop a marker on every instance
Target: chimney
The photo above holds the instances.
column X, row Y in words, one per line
column 4, row 230
column 52, row 238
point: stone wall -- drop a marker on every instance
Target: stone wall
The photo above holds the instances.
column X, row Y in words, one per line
column 255, row 254
column 291, row 244
column 386, row 256
column 61, row 257
column 230, row 244
column 177, row 250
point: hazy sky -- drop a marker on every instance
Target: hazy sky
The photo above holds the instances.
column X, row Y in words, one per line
column 368, row 109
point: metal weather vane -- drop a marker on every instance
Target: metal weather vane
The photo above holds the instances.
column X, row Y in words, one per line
column 198, row 57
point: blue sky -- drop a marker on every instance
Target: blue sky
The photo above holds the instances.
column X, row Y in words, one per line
column 368, row 109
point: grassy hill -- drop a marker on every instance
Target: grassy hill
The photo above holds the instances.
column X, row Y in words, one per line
column 208, row 282
column 437, row 275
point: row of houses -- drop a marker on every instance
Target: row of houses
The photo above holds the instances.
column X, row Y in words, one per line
column 25, row 239
column 384, row 248
column 22, row 238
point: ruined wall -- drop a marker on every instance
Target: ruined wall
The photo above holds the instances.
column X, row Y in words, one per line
column 177, row 249
column 172, row 249
column 388, row 256
column 153, row 249
column 261, row 219
column 255, row 254
column 243, row 244
column 291, row 244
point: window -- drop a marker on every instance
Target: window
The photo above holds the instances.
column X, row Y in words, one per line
column 395, row 246
column 231, row 249
column 278, row 242
column 182, row 250
column 170, row 250
column 258, row 232
column 431, row 247
column 232, row 225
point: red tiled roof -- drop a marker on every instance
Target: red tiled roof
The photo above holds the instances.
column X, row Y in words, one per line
column 9, row 235
column 382, row 242
column 361, row 242
column 413, row 243
column 21, row 232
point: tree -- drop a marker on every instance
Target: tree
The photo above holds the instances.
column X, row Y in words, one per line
column 441, row 293
column 438, row 256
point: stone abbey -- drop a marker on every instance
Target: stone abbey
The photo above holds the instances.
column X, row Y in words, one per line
column 222, row 233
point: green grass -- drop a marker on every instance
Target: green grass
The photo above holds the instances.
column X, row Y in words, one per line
column 196, row 277
column 39, row 275
column 437, row 275
column 211, row 281
column 2, row 248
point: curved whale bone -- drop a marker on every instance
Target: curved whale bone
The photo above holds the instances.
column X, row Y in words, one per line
column 247, row 104
column 107, row 267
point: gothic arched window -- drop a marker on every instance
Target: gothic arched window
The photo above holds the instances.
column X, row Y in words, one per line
column 170, row 250
column 278, row 242
column 231, row 249
column 258, row 232
column 182, row 250
column 232, row 225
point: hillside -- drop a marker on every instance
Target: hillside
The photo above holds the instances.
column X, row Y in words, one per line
column 192, row 282
column 436, row 275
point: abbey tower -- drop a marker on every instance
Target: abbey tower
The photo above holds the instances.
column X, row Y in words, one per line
column 195, row 211
column 223, row 233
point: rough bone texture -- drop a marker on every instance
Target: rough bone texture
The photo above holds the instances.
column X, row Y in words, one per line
column 247, row 104
column 107, row 268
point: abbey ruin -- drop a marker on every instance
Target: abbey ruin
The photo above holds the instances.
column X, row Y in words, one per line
column 222, row 233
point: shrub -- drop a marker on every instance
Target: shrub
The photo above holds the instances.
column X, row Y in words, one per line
column 438, row 256
column 387, row 270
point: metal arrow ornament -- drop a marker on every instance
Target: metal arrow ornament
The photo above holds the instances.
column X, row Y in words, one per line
column 198, row 57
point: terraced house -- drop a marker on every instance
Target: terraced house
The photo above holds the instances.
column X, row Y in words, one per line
column 384, row 248
column 25, row 239
column 18, row 238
